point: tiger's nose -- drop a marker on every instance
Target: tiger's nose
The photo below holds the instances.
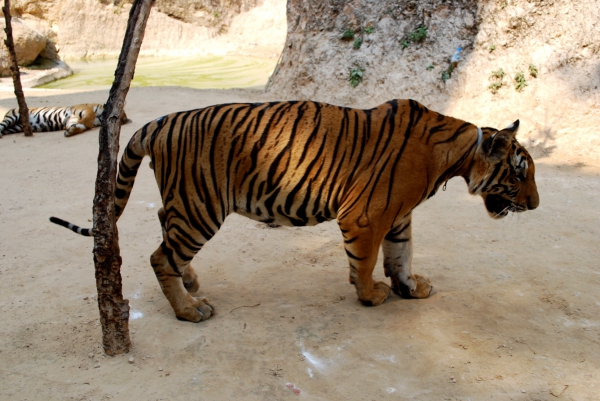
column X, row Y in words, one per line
column 533, row 201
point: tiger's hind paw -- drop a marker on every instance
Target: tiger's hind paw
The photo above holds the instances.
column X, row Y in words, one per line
column 199, row 310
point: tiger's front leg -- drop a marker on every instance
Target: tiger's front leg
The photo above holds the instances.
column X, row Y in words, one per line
column 362, row 250
column 397, row 260
column 75, row 129
column 80, row 121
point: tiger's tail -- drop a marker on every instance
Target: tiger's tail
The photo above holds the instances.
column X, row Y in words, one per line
column 128, row 167
column 86, row 232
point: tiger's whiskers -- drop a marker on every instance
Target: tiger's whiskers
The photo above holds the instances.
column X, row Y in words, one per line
column 501, row 213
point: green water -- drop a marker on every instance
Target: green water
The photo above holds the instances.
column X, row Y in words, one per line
column 218, row 72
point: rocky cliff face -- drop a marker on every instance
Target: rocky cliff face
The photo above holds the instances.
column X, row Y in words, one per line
column 216, row 14
column 95, row 28
column 392, row 43
column 530, row 59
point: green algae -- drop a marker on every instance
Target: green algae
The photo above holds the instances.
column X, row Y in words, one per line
column 215, row 72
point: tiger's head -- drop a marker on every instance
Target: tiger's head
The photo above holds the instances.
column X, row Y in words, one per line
column 503, row 173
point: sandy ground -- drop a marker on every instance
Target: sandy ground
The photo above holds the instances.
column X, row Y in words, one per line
column 515, row 314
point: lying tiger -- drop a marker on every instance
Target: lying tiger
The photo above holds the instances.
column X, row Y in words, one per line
column 74, row 120
column 302, row 163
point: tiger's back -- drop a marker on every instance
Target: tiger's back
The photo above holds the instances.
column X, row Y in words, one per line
column 299, row 164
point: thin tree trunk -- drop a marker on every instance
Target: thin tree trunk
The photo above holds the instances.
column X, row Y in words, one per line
column 114, row 310
column 14, row 69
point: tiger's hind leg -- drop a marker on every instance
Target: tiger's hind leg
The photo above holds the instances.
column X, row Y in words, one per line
column 13, row 129
column 362, row 250
column 171, row 264
column 397, row 259
column 186, row 306
column 11, row 123
column 189, row 276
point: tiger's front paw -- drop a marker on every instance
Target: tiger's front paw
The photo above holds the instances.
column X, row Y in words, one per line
column 75, row 129
column 376, row 296
column 423, row 288
column 417, row 287
column 198, row 310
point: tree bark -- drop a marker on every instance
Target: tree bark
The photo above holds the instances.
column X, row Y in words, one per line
column 14, row 69
column 114, row 310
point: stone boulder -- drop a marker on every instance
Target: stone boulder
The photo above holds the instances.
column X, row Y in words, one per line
column 28, row 45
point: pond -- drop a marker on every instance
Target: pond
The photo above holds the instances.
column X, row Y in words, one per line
column 217, row 72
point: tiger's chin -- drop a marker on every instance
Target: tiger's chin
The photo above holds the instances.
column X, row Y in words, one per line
column 497, row 206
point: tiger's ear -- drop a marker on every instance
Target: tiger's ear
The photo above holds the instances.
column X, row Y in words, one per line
column 513, row 127
column 496, row 146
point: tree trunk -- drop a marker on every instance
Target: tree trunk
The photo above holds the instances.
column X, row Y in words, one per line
column 14, row 69
column 114, row 310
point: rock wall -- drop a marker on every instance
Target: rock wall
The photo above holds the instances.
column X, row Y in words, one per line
column 317, row 59
column 209, row 13
column 95, row 28
column 559, row 104
column 28, row 45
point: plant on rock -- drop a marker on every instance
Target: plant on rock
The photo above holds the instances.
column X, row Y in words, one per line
column 520, row 81
column 356, row 76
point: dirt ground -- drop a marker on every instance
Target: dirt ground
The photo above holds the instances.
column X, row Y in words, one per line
column 515, row 312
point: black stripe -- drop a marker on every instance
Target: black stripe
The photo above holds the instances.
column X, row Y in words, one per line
column 298, row 186
column 351, row 240
column 497, row 168
column 249, row 194
column 132, row 155
column 350, row 255
column 407, row 132
column 456, row 134
column 212, row 152
column 270, row 201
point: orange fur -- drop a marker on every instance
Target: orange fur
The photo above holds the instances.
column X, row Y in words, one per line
column 300, row 163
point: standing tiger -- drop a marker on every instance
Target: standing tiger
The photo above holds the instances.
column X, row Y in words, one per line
column 302, row 163
column 74, row 120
